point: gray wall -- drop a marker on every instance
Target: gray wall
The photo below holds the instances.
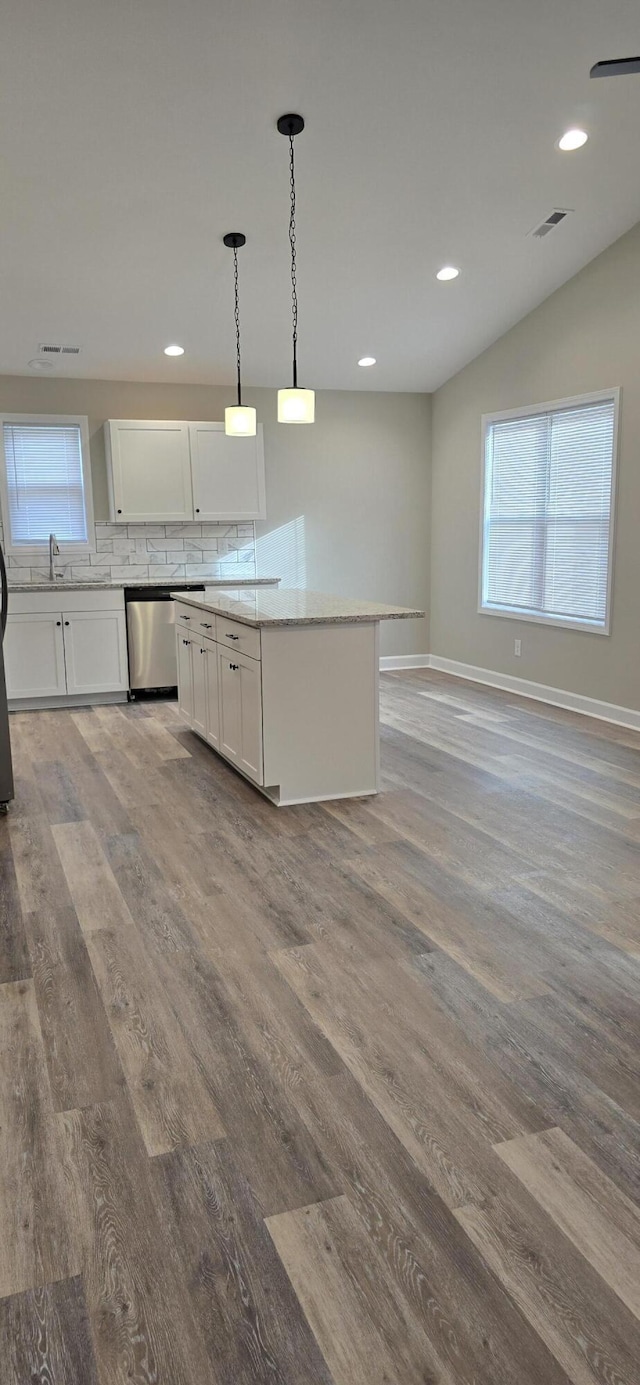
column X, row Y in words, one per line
column 347, row 499
column 586, row 336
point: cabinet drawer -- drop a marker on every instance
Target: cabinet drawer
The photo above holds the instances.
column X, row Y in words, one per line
column 186, row 616
column 245, row 639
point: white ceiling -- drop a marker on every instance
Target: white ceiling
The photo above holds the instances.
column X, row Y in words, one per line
column 134, row 133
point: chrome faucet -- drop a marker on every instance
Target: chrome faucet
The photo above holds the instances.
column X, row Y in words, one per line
column 53, row 550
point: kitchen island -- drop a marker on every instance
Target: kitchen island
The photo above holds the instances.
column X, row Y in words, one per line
column 284, row 685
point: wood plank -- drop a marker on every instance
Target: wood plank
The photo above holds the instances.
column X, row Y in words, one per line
column 595, row 1122
column 82, row 1063
column 35, row 1244
column 172, row 1102
column 446, row 1142
column 142, row 1325
column 362, row 1337
column 590, row 1332
column 603, row 1224
column 471, row 1321
column 247, row 1311
column 15, row 963
column 45, row 1337
column 96, row 895
column 274, row 1149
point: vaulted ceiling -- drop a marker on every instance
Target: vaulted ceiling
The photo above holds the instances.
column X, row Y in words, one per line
column 134, row 133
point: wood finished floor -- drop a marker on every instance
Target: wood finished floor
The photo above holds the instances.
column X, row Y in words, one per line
column 343, row 1093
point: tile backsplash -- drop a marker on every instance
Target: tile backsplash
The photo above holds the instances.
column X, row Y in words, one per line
column 137, row 552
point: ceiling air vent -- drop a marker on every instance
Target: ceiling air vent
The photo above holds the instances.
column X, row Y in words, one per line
column 56, row 349
column 554, row 218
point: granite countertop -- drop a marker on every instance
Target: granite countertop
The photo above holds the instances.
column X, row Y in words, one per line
column 101, row 585
column 284, row 607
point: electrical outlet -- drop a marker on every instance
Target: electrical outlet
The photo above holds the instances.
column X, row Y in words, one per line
column 517, row 647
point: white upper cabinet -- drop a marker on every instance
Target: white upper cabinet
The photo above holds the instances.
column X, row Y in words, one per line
column 149, row 469
column 182, row 471
column 228, row 473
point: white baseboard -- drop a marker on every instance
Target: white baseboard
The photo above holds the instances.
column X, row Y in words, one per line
column 42, row 704
column 557, row 697
column 390, row 661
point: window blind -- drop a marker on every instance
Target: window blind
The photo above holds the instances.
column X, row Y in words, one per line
column 45, row 482
column 547, row 517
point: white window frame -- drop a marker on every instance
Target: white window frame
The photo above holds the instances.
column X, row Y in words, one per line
column 529, row 411
column 66, row 546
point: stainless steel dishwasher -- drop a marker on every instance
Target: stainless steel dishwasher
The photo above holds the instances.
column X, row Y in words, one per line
column 151, row 637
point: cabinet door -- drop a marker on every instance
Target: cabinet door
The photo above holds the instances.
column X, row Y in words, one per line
column 241, row 712
column 185, row 677
column 34, row 656
column 250, row 676
column 199, row 719
column 212, row 720
column 228, row 473
column 229, row 704
column 149, row 470
column 95, row 649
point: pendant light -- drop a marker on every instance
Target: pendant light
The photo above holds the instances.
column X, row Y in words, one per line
column 294, row 405
column 239, row 419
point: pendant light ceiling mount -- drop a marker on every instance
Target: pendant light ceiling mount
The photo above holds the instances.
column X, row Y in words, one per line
column 239, row 419
column 291, row 125
column 234, row 239
column 294, row 405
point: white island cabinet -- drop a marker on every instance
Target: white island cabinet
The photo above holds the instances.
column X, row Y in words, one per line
column 284, row 685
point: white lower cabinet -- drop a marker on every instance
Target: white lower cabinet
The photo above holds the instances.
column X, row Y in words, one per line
column 34, row 656
column 240, row 703
column 95, row 651
column 60, row 652
column 220, row 696
column 185, row 676
column 199, row 677
column 212, row 717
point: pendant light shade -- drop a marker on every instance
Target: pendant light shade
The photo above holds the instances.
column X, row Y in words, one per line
column 239, row 419
column 294, row 405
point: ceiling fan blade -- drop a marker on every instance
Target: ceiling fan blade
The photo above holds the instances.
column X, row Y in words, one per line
column 615, row 67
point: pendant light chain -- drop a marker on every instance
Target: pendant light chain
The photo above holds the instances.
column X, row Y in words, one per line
column 292, row 242
column 237, row 318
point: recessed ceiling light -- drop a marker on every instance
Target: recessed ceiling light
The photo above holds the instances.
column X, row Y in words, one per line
column 448, row 271
column 174, row 350
column 367, row 360
column 37, row 364
column 573, row 139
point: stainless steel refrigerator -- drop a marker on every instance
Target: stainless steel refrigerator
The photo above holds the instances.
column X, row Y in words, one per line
column 6, row 771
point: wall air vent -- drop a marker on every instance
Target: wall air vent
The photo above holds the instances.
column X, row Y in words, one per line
column 549, row 224
column 56, row 349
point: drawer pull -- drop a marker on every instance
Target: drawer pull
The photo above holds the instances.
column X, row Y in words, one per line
column 234, row 666
column 232, row 637
column 205, row 626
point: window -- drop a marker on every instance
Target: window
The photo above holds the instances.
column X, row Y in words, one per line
column 548, row 512
column 46, row 484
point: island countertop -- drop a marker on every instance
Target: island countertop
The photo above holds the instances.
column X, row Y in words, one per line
column 269, row 607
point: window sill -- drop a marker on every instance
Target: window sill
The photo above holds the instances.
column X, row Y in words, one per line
column 532, row 618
